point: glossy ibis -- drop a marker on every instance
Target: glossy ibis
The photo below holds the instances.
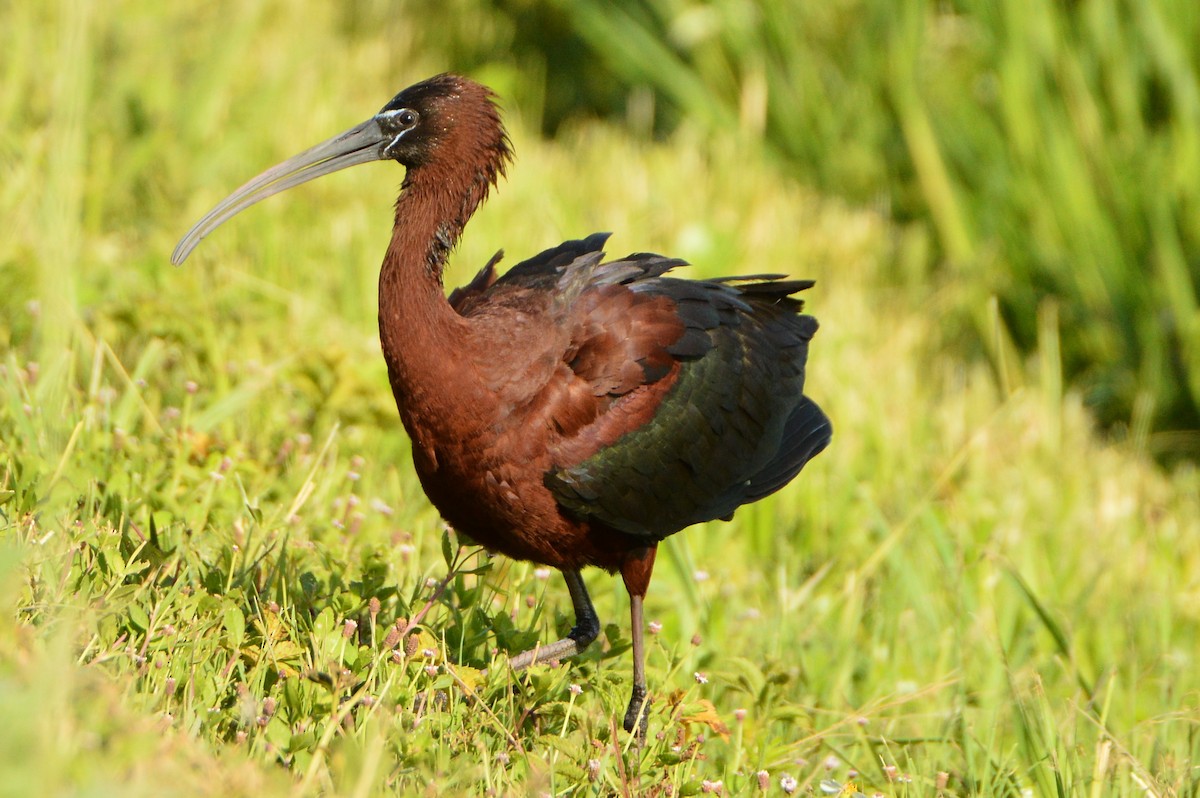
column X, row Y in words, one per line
column 572, row 412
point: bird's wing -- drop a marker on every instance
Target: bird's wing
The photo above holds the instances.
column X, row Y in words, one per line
column 483, row 280
column 541, row 271
column 698, row 395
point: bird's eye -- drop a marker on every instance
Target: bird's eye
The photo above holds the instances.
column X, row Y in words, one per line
column 407, row 117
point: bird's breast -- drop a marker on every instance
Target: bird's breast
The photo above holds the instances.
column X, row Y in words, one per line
column 502, row 503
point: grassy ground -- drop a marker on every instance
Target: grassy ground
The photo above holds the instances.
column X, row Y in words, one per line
column 219, row 575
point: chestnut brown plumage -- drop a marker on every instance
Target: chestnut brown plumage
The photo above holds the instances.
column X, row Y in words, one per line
column 573, row 412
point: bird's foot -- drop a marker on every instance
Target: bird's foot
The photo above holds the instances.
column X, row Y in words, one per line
column 636, row 720
column 585, row 631
column 558, row 650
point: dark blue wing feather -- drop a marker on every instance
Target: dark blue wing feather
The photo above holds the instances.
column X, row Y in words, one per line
column 735, row 426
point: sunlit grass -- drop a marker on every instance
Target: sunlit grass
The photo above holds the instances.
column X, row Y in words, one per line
column 216, row 552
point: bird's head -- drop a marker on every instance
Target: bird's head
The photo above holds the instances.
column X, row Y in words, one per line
column 445, row 118
column 447, row 124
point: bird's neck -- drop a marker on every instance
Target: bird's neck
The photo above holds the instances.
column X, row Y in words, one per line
column 425, row 342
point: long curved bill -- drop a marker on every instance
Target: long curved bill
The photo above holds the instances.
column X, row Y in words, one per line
column 360, row 144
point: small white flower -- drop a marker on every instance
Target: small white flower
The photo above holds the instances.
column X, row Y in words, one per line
column 701, row 678
column 788, row 784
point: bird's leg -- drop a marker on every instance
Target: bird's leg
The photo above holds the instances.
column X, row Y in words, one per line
column 636, row 572
column 587, row 627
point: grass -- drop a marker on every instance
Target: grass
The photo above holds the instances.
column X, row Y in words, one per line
column 219, row 575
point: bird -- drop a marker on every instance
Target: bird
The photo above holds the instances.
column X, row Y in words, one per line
column 576, row 411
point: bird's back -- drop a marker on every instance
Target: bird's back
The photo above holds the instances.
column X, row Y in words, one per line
column 673, row 401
